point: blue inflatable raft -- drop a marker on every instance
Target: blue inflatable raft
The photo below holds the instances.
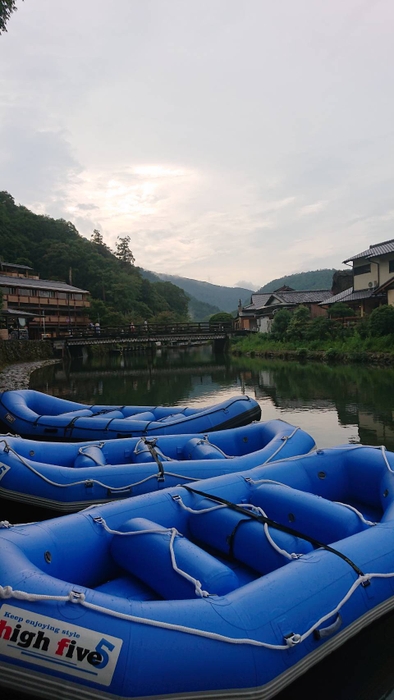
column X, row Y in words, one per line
column 72, row 476
column 226, row 588
column 33, row 414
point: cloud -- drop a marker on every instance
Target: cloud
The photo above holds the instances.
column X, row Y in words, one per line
column 312, row 208
column 37, row 166
column 227, row 141
column 86, row 207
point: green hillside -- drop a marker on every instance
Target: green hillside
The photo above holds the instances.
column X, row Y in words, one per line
column 120, row 290
column 198, row 310
column 223, row 298
column 56, row 251
column 302, row 281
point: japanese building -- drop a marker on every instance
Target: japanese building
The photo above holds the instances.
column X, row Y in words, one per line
column 35, row 308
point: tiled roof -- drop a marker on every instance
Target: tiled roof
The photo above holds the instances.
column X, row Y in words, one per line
column 19, row 267
column 378, row 249
column 260, row 301
column 7, row 281
column 307, row 297
column 349, row 295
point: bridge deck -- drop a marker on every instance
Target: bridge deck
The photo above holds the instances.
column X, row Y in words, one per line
column 150, row 334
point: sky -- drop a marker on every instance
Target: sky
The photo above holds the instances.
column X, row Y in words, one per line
column 234, row 141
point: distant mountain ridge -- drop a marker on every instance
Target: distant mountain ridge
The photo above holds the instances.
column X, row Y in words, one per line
column 214, row 295
column 207, row 299
column 302, row 281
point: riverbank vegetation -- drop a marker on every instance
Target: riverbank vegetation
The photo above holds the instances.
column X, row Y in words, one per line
column 339, row 337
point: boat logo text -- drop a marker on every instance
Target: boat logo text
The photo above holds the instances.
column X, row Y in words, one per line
column 69, row 648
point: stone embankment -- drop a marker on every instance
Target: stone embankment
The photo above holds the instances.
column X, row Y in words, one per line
column 18, row 359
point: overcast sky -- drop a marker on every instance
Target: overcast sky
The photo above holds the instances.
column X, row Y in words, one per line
column 232, row 140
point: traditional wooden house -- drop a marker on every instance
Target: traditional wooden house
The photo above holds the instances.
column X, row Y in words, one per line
column 258, row 315
column 35, row 308
column 373, row 279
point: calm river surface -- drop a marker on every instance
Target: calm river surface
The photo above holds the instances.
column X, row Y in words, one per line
column 335, row 404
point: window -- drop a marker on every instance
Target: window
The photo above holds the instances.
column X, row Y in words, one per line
column 391, row 265
column 23, row 292
column 362, row 269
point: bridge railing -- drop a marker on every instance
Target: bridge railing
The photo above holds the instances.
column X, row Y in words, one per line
column 152, row 329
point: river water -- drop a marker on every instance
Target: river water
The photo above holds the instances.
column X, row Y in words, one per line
column 335, row 404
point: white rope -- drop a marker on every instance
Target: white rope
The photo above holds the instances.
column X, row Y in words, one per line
column 383, row 449
column 280, row 550
column 197, row 584
column 7, row 592
column 81, row 451
column 219, row 449
column 89, row 482
column 145, row 448
column 173, row 532
column 256, row 482
column 178, row 499
column 182, row 476
column 284, row 439
column 357, row 512
column 338, row 503
column 255, row 509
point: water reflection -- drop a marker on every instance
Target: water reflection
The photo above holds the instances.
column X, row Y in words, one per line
column 335, row 404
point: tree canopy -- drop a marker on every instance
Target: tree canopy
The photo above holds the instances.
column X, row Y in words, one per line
column 7, row 7
column 381, row 321
column 55, row 250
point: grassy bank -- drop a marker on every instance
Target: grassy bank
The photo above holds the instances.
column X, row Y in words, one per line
column 349, row 350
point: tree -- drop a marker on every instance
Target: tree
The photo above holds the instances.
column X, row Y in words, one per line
column 175, row 297
column 7, row 7
column 320, row 328
column 123, row 251
column 97, row 237
column 298, row 323
column 280, row 324
column 341, row 310
column 381, row 320
column 53, row 246
column 221, row 317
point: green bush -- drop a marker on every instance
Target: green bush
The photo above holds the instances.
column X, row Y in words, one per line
column 341, row 310
column 280, row 324
column 320, row 328
column 381, row 320
column 357, row 356
column 332, row 355
column 302, row 353
column 296, row 329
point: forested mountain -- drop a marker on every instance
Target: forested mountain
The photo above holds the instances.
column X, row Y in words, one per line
column 120, row 290
column 226, row 298
column 55, row 250
column 198, row 310
column 223, row 298
column 303, row 281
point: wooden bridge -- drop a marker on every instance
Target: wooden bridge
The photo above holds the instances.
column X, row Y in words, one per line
column 148, row 335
